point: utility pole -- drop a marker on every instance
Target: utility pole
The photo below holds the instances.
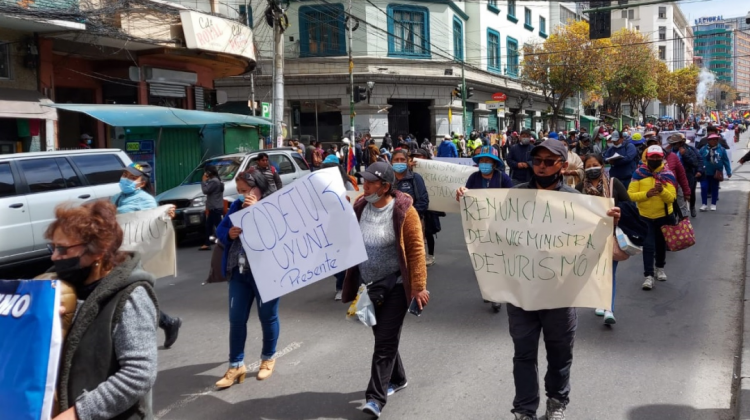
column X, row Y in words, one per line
column 278, row 72
column 463, row 100
column 252, row 91
column 350, row 24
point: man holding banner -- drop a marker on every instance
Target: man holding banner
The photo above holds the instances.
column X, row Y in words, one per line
column 549, row 160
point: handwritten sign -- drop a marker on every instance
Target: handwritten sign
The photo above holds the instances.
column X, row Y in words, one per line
column 30, row 345
column 540, row 249
column 442, row 180
column 457, row 161
column 151, row 234
column 212, row 33
column 301, row 234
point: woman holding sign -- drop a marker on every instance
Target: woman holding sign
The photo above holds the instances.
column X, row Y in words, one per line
column 598, row 183
column 252, row 186
column 490, row 175
column 394, row 272
column 136, row 188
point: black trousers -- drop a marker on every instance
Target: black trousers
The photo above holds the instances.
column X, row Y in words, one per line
column 213, row 218
column 386, row 362
column 559, row 327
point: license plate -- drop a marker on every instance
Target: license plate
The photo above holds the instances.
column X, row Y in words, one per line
column 195, row 219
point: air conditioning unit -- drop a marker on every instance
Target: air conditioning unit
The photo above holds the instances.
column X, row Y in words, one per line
column 171, row 77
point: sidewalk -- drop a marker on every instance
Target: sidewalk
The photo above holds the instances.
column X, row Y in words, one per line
column 743, row 393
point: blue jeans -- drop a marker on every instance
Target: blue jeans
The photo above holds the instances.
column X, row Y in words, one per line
column 242, row 292
column 614, row 283
column 708, row 183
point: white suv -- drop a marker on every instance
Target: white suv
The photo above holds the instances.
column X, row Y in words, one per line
column 32, row 184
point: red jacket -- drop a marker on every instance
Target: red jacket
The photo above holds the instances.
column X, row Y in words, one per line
column 674, row 165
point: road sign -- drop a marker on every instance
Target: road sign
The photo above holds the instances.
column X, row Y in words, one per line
column 499, row 97
column 266, row 109
column 495, row 104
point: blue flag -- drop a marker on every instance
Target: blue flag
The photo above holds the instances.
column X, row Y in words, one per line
column 30, row 342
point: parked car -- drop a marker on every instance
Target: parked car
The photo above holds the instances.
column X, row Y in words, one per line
column 190, row 202
column 32, row 184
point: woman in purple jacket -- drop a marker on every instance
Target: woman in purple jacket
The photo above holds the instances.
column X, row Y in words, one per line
column 490, row 175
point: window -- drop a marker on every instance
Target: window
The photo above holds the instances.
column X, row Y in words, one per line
column 527, row 19
column 492, row 6
column 631, row 14
column 662, row 33
column 458, row 39
column 282, row 163
column 662, row 52
column 662, row 12
column 624, row 14
column 543, row 26
column 69, row 175
column 246, row 15
column 300, row 161
column 662, row 109
column 42, row 175
column 322, row 32
column 4, row 61
column 493, row 50
column 100, row 169
column 512, row 51
column 408, row 31
column 512, row 11
column 7, row 183
column 637, row 27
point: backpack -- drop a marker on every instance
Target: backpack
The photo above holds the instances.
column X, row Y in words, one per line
column 317, row 158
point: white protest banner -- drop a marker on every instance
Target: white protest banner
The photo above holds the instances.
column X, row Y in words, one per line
column 442, row 180
column 457, row 161
column 540, row 249
column 303, row 233
column 151, row 234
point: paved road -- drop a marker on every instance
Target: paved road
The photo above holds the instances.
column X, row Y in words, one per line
column 672, row 354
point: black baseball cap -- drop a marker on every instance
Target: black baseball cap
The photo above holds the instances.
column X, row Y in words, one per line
column 556, row 147
column 139, row 169
column 380, row 171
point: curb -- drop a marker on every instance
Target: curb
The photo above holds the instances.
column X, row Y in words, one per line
column 743, row 391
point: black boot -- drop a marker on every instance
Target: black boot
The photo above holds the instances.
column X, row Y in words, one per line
column 692, row 212
column 171, row 327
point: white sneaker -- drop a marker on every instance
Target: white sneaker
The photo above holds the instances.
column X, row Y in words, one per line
column 704, row 207
column 429, row 260
column 713, row 207
column 660, row 274
column 649, row 283
column 338, row 295
column 599, row 312
column 609, row 318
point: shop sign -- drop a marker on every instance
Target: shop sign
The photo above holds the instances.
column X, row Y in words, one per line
column 212, row 33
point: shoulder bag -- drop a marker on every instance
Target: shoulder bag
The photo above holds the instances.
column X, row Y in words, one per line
column 679, row 233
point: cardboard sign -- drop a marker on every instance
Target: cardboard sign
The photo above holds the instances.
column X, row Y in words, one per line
column 442, row 180
column 303, row 233
column 150, row 233
column 540, row 249
column 30, row 345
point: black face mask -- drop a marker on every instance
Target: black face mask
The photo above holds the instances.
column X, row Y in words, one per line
column 70, row 270
column 653, row 164
column 593, row 173
column 547, row 181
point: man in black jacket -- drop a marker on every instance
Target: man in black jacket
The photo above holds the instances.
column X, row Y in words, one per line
column 519, row 159
column 549, row 160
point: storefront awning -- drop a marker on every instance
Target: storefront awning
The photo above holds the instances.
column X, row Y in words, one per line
column 159, row 116
column 27, row 104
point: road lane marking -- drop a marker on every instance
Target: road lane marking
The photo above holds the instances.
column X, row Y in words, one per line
column 251, row 368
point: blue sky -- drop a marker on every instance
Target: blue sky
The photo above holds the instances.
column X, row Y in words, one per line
column 728, row 8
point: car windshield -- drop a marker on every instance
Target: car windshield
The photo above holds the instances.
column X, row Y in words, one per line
column 227, row 168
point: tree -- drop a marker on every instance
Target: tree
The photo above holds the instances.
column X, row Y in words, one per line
column 630, row 74
column 566, row 63
column 728, row 96
column 679, row 88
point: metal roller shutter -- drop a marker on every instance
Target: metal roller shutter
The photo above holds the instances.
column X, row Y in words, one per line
column 167, row 91
column 199, row 101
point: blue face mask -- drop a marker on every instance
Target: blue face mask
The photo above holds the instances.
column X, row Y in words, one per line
column 241, row 198
column 399, row 167
column 486, row 168
column 127, row 186
column 88, row 141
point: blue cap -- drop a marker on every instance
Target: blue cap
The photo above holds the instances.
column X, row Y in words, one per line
column 552, row 135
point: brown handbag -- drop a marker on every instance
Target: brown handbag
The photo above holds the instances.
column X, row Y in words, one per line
column 719, row 175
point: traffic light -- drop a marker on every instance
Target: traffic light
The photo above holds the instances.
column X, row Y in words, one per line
column 723, row 96
column 360, row 93
column 458, row 91
column 600, row 23
column 469, row 92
